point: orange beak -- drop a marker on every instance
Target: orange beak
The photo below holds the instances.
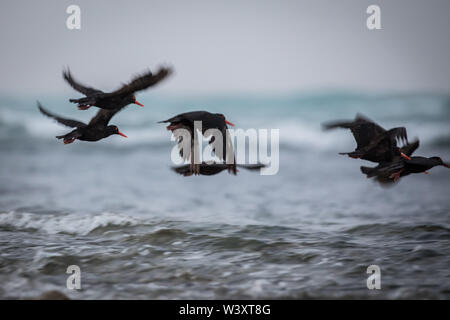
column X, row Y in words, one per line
column 446, row 165
column 228, row 122
column 123, row 135
column 405, row 156
column 138, row 103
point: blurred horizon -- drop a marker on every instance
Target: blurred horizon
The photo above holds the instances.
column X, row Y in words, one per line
column 233, row 47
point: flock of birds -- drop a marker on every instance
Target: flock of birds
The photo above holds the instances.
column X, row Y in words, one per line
column 379, row 145
column 374, row 143
column 110, row 103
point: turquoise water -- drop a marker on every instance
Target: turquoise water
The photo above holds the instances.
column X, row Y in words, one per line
column 137, row 230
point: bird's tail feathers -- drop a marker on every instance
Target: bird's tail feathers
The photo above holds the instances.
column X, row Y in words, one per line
column 368, row 171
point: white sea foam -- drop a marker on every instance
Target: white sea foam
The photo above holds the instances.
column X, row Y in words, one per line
column 64, row 223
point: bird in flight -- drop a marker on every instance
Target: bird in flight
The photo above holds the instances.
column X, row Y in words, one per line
column 95, row 130
column 116, row 99
column 374, row 143
column 208, row 121
column 206, row 169
column 392, row 171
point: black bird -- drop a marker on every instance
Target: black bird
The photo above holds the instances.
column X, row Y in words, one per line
column 399, row 167
column 212, row 169
column 116, row 99
column 393, row 171
column 208, row 121
column 417, row 165
column 374, row 143
column 384, row 170
column 95, row 130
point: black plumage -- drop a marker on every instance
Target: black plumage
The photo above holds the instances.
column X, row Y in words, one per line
column 374, row 143
column 118, row 98
column 384, row 170
column 95, row 130
column 208, row 121
column 212, row 169
column 393, row 171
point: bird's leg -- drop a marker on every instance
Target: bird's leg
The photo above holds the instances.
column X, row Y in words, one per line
column 84, row 107
column 426, row 172
column 197, row 169
column 396, row 175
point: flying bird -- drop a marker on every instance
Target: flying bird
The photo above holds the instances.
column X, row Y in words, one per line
column 384, row 170
column 95, row 130
column 212, row 169
column 116, row 99
column 374, row 143
column 208, row 121
column 418, row 165
column 392, row 171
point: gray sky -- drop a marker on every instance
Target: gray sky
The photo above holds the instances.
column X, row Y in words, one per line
column 228, row 46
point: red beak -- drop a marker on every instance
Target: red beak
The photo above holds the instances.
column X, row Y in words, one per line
column 446, row 165
column 138, row 103
column 228, row 122
column 405, row 156
column 123, row 135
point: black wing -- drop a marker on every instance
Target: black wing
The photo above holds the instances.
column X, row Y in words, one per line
column 142, row 82
column 205, row 169
column 67, row 122
column 363, row 129
column 212, row 169
column 103, row 116
column 410, row 148
column 187, row 118
column 87, row 91
column 383, row 170
column 387, row 140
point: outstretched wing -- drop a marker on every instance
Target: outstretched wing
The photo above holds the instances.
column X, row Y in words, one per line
column 363, row 129
column 67, row 122
column 103, row 116
column 205, row 169
column 388, row 138
column 383, row 172
column 212, row 169
column 143, row 81
column 410, row 148
column 87, row 91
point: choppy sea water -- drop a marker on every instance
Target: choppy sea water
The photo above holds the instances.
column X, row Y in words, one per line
column 139, row 231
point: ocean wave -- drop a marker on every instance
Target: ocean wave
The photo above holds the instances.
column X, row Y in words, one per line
column 442, row 141
column 298, row 118
column 430, row 231
column 64, row 223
